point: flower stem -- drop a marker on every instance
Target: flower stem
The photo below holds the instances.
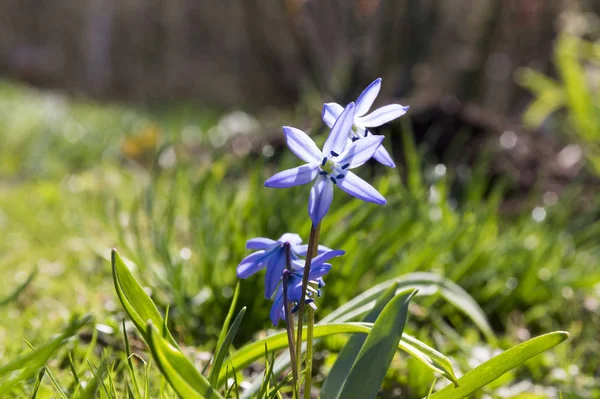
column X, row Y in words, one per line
column 313, row 243
column 289, row 317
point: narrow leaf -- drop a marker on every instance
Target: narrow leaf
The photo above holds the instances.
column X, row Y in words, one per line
column 498, row 365
column 379, row 348
column 341, row 368
column 178, row 369
column 134, row 299
column 224, row 348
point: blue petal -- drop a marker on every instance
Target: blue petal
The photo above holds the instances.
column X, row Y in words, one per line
column 339, row 132
column 274, row 272
column 293, row 239
column 367, row 97
column 324, row 257
column 321, row 195
column 259, row 243
column 382, row 115
column 357, row 187
column 383, row 157
column 331, row 111
column 277, row 311
column 293, row 177
column 360, row 151
column 319, row 271
column 251, row 264
column 302, row 250
column 302, row 145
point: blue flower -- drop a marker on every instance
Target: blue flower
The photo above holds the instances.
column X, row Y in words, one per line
column 362, row 121
column 271, row 254
column 330, row 167
column 318, row 269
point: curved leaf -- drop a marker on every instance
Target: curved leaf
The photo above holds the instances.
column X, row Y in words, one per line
column 134, row 299
column 376, row 354
column 256, row 350
column 426, row 284
column 177, row 368
column 224, row 347
column 498, row 365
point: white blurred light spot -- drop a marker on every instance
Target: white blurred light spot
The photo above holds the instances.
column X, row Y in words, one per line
column 268, row 151
column 508, row 139
column 531, row 242
column 550, row 198
column 185, row 253
column 440, row 169
column 168, row 158
column 435, row 214
column 569, row 156
column 241, row 146
column 573, row 369
column 191, row 134
column 434, row 195
column 512, row 283
column 544, row 274
column 103, row 328
column 227, row 292
column 538, row 214
column 567, row 292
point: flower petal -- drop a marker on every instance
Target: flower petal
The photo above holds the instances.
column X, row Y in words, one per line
column 331, row 111
column 319, row 271
column 320, row 199
column 274, row 272
column 367, row 97
column 277, row 311
column 383, row 157
column 382, row 115
column 293, row 177
column 324, row 257
column 251, row 264
column 302, row 250
column 360, row 151
column 303, row 146
column 259, row 243
column 339, row 132
column 357, row 187
column 292, row 238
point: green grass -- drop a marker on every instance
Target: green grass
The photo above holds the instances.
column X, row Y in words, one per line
column 79, row 178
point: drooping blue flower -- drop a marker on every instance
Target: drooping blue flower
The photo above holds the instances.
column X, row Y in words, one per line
column 271, row 254
column 364, row 121
column 318, row 269
column 330, row 167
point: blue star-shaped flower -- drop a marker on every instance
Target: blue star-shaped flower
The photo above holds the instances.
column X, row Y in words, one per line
column 364, row 121
column 271, row 254
column 330, row 167
column 318, row 269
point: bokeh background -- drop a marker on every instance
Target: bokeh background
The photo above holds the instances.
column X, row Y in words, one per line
column 150, row 126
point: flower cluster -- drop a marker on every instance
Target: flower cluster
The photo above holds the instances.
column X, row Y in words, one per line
column 349, row 145
column 273, row 256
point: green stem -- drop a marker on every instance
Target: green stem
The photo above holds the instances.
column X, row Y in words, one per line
column 289, row 317
column 313, row 244
column 309, row 353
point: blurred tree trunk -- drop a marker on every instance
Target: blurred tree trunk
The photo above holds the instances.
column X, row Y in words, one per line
column 265, row 52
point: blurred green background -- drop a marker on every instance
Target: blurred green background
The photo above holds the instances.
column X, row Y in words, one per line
column 151, row 126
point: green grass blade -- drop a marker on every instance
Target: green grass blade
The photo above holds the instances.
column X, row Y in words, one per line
column 178, row 369
column 27, row 366
column 134, row 299
column 343, row 364
column 15, row 294
column 224, row 348
column 498, row 365
column 38, row 382
column 427, row 284
column 227, row 322
column 130, row 366
column 375, row 356
column 92, row 386
column 255, row 350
